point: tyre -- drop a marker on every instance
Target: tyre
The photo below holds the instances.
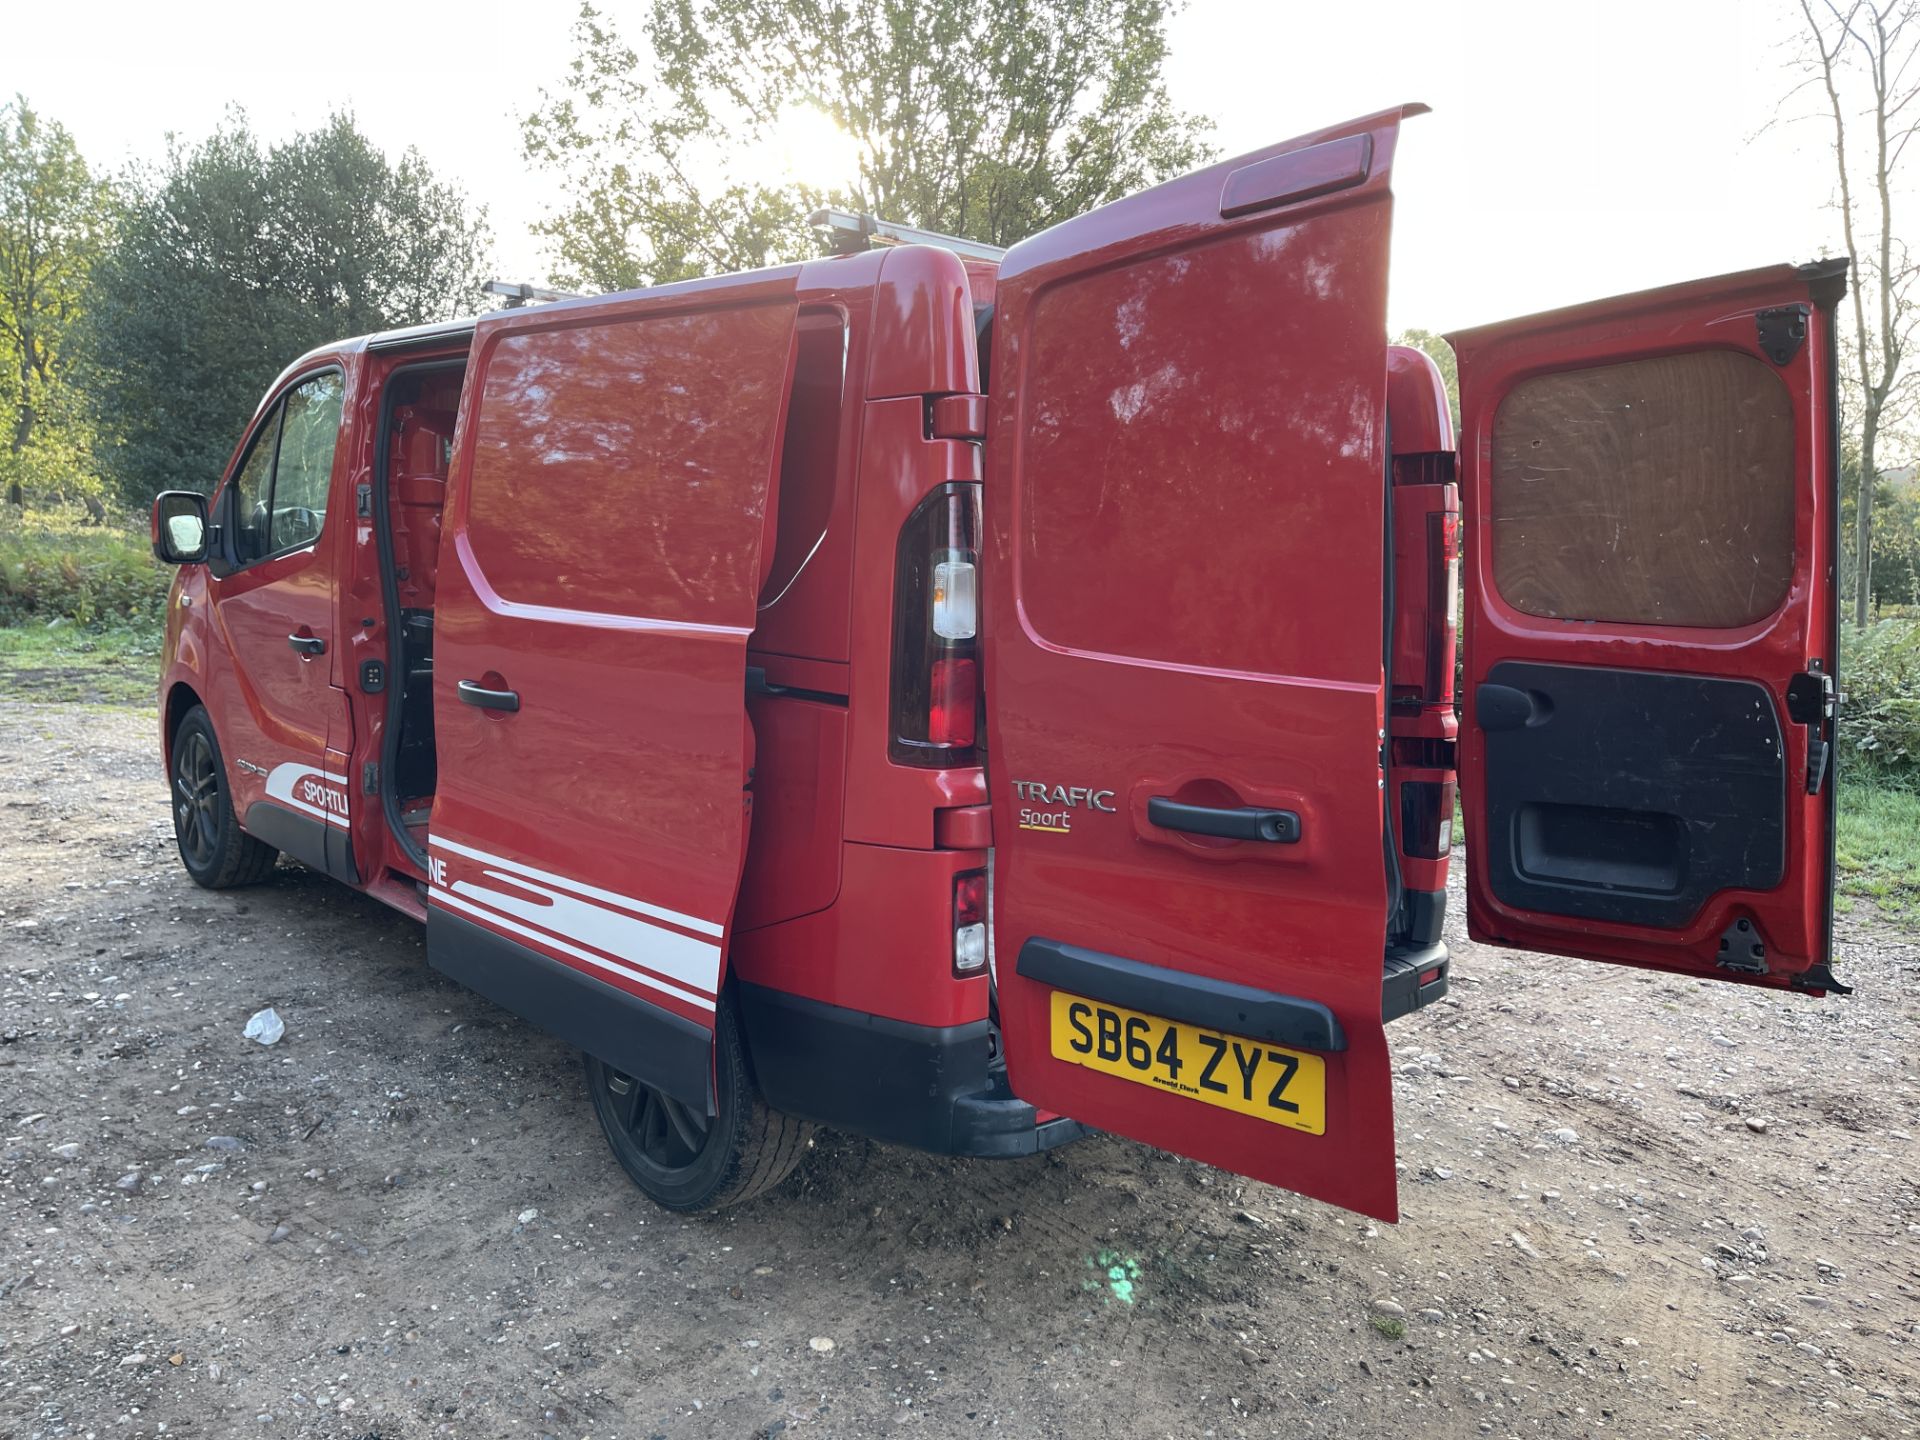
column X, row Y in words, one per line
column 218, row 854
column 687, row 1161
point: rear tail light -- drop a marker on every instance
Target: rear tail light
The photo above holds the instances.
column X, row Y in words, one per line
column 951, row 701
column 936, row 626
column 1426, row 818
column 1443, row 543
column 970, row 922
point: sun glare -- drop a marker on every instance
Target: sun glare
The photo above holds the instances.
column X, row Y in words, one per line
column 808, row 148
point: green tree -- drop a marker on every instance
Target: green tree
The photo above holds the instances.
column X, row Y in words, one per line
column 234, row 258
column 53, row 218
column 973, row 117
column 1863, row 53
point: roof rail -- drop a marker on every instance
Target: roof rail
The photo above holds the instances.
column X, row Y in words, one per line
column 517, row 294
column 851, row 233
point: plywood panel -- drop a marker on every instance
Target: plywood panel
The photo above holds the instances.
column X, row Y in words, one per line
column 1656, row 492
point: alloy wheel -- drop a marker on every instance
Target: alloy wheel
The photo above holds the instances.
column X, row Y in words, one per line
column 669, row 1133
column 196, row 799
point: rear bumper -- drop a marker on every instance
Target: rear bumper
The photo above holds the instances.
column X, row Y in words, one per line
column 1415, row 977
column 921, row 1085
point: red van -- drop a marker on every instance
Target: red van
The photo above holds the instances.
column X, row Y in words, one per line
column 968, row 698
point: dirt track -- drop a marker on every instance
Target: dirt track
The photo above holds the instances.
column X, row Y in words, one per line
column 1728, row 1245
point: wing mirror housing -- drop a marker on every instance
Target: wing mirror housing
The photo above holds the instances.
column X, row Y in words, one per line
column 182, row 534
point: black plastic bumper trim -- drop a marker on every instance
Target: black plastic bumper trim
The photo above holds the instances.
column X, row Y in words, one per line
column 1401, row 989
column 654, row 1046
column 314, row 843
column 921, row 1085
column 1216, row 1004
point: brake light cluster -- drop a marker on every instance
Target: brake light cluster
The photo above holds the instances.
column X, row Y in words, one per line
column 1426, row 517
column 970, row 922
column 936, row 634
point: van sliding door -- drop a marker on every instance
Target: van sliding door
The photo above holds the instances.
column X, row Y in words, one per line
column 605, row 541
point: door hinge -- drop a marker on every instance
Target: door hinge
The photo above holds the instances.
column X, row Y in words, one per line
column 1819, row 976
column 370, row 778
column 1814, row 703
column 1782, row 330
column 1742, row 950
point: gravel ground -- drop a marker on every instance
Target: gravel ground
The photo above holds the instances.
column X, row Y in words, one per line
column 1634, row 1205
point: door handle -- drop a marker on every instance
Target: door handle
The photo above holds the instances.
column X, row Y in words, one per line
column 477, row 695
column 308, row 645
column 1246, row 822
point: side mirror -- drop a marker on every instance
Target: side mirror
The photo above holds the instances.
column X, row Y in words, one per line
column 180, row 529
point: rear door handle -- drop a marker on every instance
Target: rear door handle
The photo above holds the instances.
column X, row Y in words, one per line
column 477, row 695
column 1247, row 822
column 308, row 644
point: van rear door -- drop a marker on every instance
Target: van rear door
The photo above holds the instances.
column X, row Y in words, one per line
column 1186, row 475
column 604, row 545
column 1650, row 489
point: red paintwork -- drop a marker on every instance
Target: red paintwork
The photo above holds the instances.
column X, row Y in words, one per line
column 605, row 537
column 227, row 639
column 1706, row 314
column 1183, row 464
column 1188, row 418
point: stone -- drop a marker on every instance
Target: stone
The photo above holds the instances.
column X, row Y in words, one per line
column 820, row 1345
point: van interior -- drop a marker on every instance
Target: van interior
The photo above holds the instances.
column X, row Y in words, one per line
column 415, row 453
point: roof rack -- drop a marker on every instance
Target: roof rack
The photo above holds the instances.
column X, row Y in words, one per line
column 851, row 233
column 517, row 294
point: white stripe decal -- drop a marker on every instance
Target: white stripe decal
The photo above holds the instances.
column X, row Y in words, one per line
column 680, row 957
column 442, row 897
column 283, row 783
column 625, row 902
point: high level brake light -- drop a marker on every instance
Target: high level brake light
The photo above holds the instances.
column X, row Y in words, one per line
column 936, row 626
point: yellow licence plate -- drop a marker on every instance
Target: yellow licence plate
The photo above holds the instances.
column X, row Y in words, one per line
column 1251, row 1077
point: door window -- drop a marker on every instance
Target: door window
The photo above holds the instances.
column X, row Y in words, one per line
column 253, row 493
column 280, row 491
column 307, row 438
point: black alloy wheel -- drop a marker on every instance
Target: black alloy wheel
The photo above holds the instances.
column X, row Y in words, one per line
column 196, row 798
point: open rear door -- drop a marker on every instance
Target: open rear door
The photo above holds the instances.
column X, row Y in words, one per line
column 1650, row 493
column 602, row 552
column 1186, row 486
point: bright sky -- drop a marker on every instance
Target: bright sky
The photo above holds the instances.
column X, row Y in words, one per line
column 1578, row 148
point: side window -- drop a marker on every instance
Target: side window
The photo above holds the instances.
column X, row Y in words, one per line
column 307, row 438
column 253, row 492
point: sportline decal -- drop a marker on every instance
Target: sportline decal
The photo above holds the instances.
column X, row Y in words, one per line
column 613, row 933
column 308, row 789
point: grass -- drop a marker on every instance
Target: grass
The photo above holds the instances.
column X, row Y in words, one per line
column 100, row 577
column 64, row 662
column 1879, row 848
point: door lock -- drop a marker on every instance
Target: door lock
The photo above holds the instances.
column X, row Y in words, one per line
column 1813, row 702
